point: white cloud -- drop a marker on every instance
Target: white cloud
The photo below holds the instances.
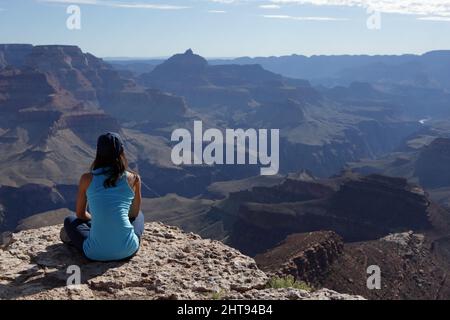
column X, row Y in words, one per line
column 91, row 2
column 270, row 6
column 217, row 11
column 287, row 17
column 225, row 1
column 414, row 7
column 148, row 6
column 440, row 19
column 429, row 9
column 115, row 4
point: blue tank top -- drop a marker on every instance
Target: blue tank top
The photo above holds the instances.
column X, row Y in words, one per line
column 111, row 236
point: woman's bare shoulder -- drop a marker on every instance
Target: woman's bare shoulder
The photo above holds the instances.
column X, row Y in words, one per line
column 86, row 178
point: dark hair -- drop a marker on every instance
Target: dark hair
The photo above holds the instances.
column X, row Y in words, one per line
column 110, row 157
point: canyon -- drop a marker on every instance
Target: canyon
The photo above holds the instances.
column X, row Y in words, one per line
column 362, row 179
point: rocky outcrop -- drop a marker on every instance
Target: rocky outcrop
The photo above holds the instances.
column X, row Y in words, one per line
column 170, row 265
column 358, row 208
column 197, row 72
column 412, row 265
column 65, row 76
column 189, row 68
column 306, row 257
column 226, row 86
column 290, row 189
column 70, row 67
column 291, row 294
column 386, row 202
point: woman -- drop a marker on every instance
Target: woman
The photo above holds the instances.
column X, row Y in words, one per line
column 112, row 228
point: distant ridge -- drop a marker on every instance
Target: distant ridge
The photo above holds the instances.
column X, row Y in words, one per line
column 329, row 70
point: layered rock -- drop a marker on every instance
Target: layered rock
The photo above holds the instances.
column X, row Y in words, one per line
column 65, row 76
column 411, row 265
column 224, row 86
column 54, row 103
column 88, row 126
column 69, row 66
column 186, row 69
column 358, row 208
column 80, row 73
column 320, row 133
column 191, row 70
column 24, row 89
column 306, row 257
column 385, row 202
column 150, row 107
column 170, row 265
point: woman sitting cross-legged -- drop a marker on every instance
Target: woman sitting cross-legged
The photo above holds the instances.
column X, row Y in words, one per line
column 113, row 227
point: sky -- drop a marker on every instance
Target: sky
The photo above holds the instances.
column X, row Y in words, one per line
column 230, row 28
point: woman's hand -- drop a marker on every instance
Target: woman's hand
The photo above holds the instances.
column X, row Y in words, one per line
column 81, row 212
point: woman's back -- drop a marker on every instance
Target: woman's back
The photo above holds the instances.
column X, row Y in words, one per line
column 112, row 235
column 113, row 228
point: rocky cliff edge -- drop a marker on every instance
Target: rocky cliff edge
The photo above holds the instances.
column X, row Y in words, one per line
column 170, row 265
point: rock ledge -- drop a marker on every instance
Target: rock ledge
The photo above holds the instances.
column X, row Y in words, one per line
column 170, row 265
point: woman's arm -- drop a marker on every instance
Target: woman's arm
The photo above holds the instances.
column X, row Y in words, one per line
column 136, row 204
column 85, row 181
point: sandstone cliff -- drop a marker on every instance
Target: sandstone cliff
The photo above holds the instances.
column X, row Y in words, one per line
column 170, row 265
column 305, row 256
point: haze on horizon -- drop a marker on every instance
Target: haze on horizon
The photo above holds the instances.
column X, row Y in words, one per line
column 231, row 28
